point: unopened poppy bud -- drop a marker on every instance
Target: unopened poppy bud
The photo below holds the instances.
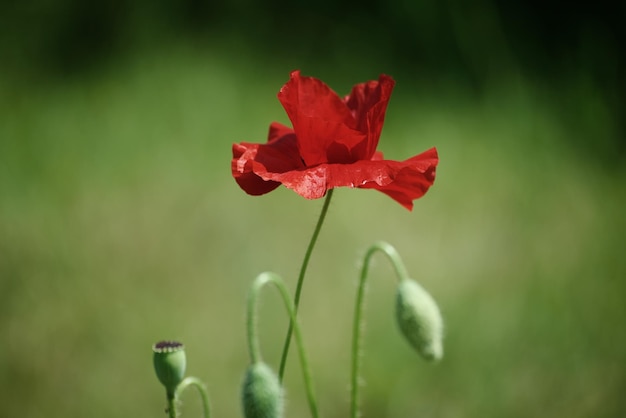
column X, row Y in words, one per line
column 419, row 319
column 169, row 363
column 262, row 393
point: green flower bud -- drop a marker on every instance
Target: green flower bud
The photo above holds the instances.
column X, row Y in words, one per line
column 169, row 363
column 419, row 319
column 262, row 393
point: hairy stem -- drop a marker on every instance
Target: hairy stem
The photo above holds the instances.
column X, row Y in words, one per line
column 171, row 410
column 401, row 274
column 253, row 343
column 194, row 381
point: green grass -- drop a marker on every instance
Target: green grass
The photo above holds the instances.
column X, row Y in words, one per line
column 120, row 225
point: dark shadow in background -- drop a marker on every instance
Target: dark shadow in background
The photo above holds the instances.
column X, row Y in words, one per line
column 557, row 46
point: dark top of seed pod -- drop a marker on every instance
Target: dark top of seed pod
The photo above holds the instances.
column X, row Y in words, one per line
column 167, row 346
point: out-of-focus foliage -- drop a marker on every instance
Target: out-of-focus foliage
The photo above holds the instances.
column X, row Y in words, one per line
column 120, row 224
column 567, row 48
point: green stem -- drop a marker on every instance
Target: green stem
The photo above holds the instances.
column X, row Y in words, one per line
column 194, row 381
column 296, row 299
column 171, row 405
column 253, row 342
column 402, row 274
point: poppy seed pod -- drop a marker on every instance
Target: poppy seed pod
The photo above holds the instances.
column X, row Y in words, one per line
column 262, row 393
column 169, row 363
column 419, row 319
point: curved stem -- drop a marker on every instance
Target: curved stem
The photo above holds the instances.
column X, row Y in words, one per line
column 401, row 274
column 296, row 299
column 194, row 381
column 255, row 353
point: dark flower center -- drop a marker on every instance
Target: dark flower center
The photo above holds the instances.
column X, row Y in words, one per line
column 167, row 346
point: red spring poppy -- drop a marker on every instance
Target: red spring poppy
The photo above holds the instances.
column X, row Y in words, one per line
column 332, row 144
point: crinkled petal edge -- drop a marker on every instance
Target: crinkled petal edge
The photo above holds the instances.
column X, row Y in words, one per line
column 403, row 181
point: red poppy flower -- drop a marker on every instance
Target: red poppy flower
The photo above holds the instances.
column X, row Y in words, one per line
column 332, row 144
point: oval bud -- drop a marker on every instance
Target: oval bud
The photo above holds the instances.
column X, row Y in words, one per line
column 419, row 319
column 169, row 363
column 262, row 393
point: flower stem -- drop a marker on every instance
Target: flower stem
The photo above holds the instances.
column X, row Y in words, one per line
column 296, row 299
column 194, row 381
column 171, row 410
column 253, row 341
column 402, row 274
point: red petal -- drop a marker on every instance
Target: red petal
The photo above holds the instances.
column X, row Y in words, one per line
column 403, row 181
column 324, row 125
column 280, row 154
column 368, row 102
column 412, row 180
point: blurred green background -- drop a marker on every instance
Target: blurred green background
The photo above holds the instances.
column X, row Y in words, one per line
column 120, row 224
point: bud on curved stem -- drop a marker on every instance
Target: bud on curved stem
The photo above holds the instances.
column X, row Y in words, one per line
column 258, row 371
column 416, row 311
column 419, row 319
